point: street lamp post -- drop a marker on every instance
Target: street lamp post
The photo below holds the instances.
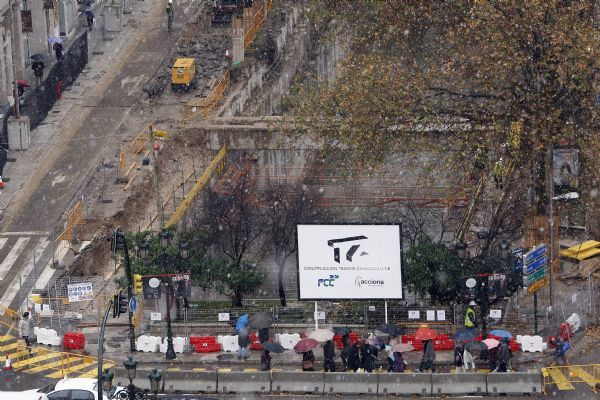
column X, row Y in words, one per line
column 155, row 378
column 130, row 366
column 170, row 355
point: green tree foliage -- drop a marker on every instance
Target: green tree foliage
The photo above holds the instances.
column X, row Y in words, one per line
column 431, row 268
column 452, row 75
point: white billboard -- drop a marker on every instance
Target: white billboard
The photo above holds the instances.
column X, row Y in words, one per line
column 349, row 262
column 80, row 292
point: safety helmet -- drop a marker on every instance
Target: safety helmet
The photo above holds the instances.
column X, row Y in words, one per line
column 471, row 303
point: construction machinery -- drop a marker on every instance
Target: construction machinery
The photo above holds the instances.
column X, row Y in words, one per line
column 183, row 74
column 224, row 10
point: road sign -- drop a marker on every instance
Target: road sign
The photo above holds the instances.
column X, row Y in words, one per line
column 534, row 254
column 534, row 277
column 531, row 289
column 132, row 304
column 535, row 265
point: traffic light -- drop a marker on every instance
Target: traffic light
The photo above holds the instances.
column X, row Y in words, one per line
column 117, row 241
column 137, row 284
column 120, row 304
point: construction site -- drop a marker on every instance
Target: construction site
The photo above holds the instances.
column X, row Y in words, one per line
column 230, row 124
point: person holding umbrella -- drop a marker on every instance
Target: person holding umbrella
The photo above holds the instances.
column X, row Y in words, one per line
column 353, row 357
column 243, row 343
column 398, row 364
column 329, row 356
column 38, row 71
column 459, row 351
column 503, row 356
column 368, row 356
column 468, row 360
column 308, row 361
column 265, row 360
column 427, row 362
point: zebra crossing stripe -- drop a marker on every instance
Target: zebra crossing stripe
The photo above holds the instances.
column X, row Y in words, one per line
column 15, row 285
column 12, row 256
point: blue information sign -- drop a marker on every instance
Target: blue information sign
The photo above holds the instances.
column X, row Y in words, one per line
column 535, row 265
column 534, row 254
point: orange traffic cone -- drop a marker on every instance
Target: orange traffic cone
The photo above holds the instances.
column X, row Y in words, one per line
column 8, row 364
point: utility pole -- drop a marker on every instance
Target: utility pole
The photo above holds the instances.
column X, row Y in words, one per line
column 549, row 170
column 12, row 52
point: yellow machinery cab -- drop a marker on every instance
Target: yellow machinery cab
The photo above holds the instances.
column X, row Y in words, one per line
column 183, row 74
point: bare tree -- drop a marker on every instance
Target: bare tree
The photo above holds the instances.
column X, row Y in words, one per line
column 287, row 206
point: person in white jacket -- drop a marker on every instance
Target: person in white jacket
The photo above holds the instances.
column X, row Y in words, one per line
column 468, row 360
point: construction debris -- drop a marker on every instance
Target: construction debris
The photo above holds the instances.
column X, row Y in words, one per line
column 583, row 270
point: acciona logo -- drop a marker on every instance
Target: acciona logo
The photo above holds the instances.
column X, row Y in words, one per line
column 360, row 282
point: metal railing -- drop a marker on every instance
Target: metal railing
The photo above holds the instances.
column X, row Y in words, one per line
column 565, row 376
column 216, row 165
column 74, row 217
column 205, row 105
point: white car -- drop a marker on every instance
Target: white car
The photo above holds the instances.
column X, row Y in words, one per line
column 65, row 389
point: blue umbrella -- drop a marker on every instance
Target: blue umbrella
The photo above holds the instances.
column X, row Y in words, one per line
column 241, row 323
column 465, row 335
column 501, row 333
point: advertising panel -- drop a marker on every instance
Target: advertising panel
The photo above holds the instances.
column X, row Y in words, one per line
column 349, row 262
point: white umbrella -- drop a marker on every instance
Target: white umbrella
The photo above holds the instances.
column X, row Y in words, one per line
column 321, row 335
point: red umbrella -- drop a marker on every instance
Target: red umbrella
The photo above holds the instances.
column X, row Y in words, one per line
column 425, row 334
column 305, row 345
column 23, row 82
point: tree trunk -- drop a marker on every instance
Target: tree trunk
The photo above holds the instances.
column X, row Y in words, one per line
column 280, row 257
column 237, row 299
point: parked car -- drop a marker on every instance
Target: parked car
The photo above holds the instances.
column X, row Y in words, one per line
column 64, row 389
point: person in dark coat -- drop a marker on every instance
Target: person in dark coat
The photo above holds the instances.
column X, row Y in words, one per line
column 427, row 362
column 243, row 343
column 503, row 356
column 353, row 357
column 459, row 357
column 89, row 16
column 265, row 360
column 398, row 364
column 308, row 361
column 345, row 351
column 58, row 50
column 38, row 71
column 263, row 335
column 367, row 353
column 329, row 355
column 493, row 359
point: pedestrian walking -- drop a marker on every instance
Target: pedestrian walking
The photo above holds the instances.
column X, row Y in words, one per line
column 503, row 356
column 390, row 357
column 427, row 362
column 243, row 343
column 38, row 72
column 399, row 365
column 459, row 357
column 468, row 360
column 561, row 348
column 308, row 361
column 470, row 317
column 265, row 360
column 263, row 335
column 58, row 50
column 25, row 329
column 329, row 356
column 89, row 16
column 170, row 15
column 499, row 171
column 353, row 357
column 368, row 356
column 493, row 359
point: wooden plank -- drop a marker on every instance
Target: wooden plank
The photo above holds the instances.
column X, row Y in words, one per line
column 574, row 250
column 561, row 381
column 582, row 255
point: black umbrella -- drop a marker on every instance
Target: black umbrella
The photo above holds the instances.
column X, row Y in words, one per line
column 550, row 331
column 260, row 321
column 273, row 347
column 390, row 329
column 476, row 346
column 38, row 57
column 341, row 330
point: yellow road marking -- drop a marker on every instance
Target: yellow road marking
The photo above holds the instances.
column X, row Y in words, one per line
column 199, row 369
column 69, row 371
column 35, row 360
column 250, row 369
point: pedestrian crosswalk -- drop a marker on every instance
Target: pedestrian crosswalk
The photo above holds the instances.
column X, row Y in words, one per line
column 25, row 263
column 52, row 364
